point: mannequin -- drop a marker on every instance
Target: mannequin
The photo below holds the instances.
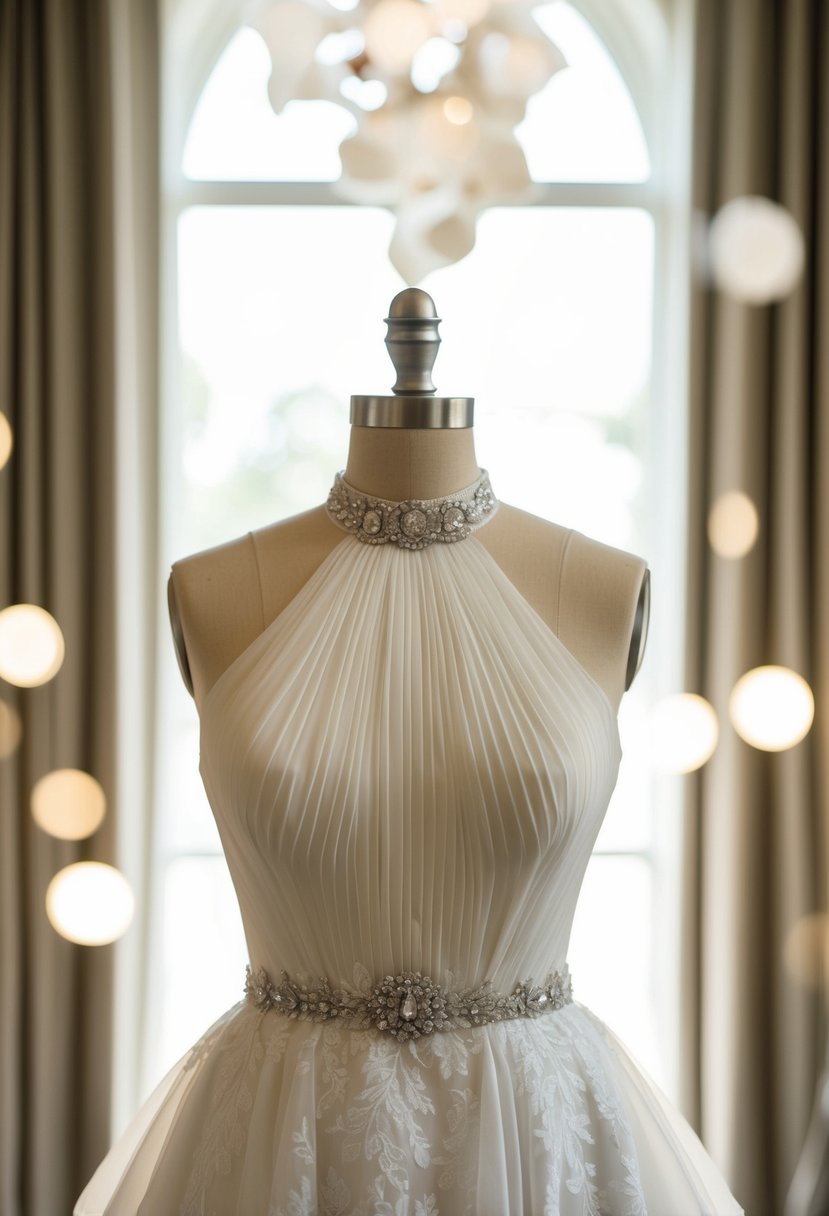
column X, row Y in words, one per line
column 593, row 596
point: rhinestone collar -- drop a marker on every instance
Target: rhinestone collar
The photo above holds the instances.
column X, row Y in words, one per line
column 415, row 522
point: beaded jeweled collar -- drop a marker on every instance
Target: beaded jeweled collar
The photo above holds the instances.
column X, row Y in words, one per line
column 415, row 522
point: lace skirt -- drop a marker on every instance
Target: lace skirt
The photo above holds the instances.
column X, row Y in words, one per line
column 548, row 1116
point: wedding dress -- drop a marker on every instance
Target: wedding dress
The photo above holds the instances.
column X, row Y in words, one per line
column 408, row 769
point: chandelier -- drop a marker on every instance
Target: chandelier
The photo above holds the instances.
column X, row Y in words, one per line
column 437, row 88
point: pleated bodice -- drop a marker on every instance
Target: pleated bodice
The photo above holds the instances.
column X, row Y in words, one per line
column 408, row 769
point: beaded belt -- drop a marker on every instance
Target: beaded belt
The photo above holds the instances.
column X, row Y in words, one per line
column 409, row 1004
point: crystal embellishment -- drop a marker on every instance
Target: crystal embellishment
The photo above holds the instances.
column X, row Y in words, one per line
column 414, row 523
column 410, row 1004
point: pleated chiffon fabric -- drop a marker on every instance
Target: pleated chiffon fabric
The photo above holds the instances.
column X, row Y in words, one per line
column 408, row 770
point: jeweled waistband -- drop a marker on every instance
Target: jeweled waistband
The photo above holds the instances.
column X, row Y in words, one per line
column 409, row 1004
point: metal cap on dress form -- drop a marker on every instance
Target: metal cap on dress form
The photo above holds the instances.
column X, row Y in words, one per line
column 412, row 341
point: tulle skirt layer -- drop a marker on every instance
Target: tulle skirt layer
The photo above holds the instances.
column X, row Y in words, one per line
column 546, row 1116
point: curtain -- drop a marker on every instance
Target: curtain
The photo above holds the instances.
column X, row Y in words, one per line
column 753, row 1038
column 63, row 330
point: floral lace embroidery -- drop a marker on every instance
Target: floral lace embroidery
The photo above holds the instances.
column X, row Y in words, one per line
column 334, row 1071
column 631, row 1188
column 393, row 1095
column 299, row 1203
column 360, row 1150
column 241, row 1053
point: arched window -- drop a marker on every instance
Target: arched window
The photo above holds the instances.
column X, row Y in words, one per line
column 556, row 323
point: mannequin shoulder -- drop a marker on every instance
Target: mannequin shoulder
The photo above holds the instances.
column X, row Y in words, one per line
column 204, row 566
column 216, row 570
column 608, row 560
column 205, row 586
column 218, row 591
column 613, row 586
column 599, row 586
column 511, row 526
column 209, row 581
column 512, row 523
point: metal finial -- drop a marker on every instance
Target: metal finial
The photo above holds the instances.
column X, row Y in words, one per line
column 412, row 341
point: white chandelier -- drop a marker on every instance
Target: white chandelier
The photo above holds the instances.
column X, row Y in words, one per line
column 437, row 88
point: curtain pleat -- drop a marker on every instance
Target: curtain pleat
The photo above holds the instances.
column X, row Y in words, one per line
column 58, row 519
column 755, row 847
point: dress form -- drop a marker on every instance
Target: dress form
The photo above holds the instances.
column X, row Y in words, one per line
column 594, row 596
column 408, row 770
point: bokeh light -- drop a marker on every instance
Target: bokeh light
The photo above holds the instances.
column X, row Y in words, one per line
column 683, row 732
column 394, row 30
column 68, row 803
column 31, row 645
column 732, row 524
column 90, row 903
column 756, row 250
column 771, row 707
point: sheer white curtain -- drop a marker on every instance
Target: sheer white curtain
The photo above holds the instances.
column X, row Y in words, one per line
column 136, row 72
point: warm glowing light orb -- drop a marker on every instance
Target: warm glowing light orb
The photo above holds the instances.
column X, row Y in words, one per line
column 458, row 110
column 756, row 250
column 393, row 31
column 771, row 707
column 683, row 732
column 90, row 903
column 445, row 137
column 6, row 440
column 68, row 803
column 31, row 645
column 732, row 524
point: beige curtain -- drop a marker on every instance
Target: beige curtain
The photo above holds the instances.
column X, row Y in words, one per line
column 60, row 333
column 756, row 858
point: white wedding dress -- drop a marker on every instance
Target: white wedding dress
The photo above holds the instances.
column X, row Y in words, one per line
column 409, row 770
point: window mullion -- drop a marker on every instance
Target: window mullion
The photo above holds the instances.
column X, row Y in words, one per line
column 187, row 193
